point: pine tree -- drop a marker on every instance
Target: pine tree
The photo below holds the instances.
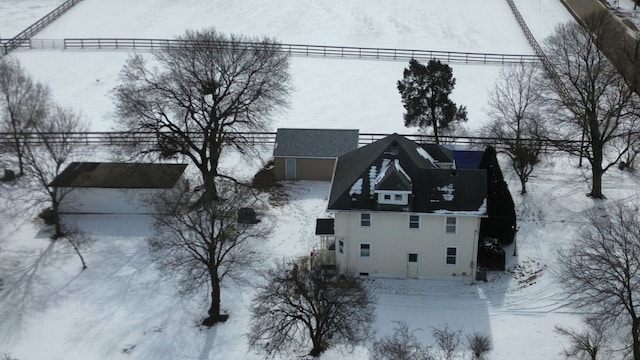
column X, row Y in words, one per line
column 501, row 220
column 425, row 94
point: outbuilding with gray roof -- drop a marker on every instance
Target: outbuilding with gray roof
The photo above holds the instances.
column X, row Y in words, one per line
column 310, row 154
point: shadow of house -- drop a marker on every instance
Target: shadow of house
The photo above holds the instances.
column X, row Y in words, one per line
column 115, row 188
column 310, row 154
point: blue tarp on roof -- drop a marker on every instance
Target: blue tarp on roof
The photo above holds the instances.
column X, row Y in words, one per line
column 467, row 159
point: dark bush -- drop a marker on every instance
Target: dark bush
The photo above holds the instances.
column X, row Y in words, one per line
column 265, row 177
column 491, row 255
column 49, row 216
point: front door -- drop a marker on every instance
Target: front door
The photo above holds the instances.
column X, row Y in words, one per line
column 290, row 168
column 412, row 266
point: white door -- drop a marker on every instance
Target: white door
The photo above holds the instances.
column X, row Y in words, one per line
column 290, row 168
column 412, row 266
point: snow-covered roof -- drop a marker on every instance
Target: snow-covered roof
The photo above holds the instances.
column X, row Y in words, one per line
column 395, row 163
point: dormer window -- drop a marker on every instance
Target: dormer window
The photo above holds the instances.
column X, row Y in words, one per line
column 392, row 184
column 389, row 197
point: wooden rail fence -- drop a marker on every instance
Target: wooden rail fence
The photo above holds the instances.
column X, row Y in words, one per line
column 23, row 38
column 123, row 139
column 307, row 50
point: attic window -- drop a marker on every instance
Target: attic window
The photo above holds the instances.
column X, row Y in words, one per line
column 393, row 197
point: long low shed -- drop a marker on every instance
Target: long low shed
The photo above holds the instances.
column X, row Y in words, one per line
column 115, row 188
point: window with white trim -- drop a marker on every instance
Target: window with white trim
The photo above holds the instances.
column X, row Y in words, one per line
column 398, row 197
column 341, row 246
column 450, row 226
column 365, row 220
column 365, row 250
column 452, row 255
column 414, row 221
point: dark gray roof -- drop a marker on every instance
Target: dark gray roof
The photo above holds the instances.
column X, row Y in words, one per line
column 433, row 189
column 325, row 227
column 119, row 175
column 315, row 143
column 439, row 153
column 393, row 179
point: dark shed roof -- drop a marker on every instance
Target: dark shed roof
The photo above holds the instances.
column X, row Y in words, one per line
column 315, row 143
column 433, row 189
column 119, row 175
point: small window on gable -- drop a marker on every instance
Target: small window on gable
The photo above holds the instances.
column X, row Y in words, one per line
column 452, row 255
column 450, row 227
column 414, row 221
column 365, row 220
column 365, row 250
column 341, row 247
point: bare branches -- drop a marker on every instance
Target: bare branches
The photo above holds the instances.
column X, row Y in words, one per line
column 591, row 340
column 207, row 86
column 203, row 245
column 402, row 345
column 296, row 306
column 44, row 158
column 23, row 104
column 514, row 108
column 590, row 99
column 601, row 268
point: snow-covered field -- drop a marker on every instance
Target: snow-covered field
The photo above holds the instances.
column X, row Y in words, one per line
column 121, row 308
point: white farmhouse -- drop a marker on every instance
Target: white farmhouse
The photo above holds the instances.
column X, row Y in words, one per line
column 403, row 210
column 115, row 188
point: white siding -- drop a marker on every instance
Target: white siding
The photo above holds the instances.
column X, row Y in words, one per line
column 392, row 240
column 109, row 201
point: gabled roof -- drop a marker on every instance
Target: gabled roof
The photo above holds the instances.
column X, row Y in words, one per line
column 434, row 190
column 392, row 177
column 315, row 143
column 119, row 175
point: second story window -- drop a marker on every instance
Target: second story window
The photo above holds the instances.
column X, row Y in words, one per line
column 450, row 227
column 365, row 220
column 414, row 221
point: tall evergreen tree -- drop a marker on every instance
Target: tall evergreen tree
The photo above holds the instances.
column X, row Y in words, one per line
column 425, row 94
column 501, row 220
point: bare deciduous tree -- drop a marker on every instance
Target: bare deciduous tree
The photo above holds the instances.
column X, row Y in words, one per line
column 47, row 152
column 208, row 86
column 402, row 345
column 589, row 341
column 589, row 97
column 479, row 344
column 447, row 341
column 23, row 104
column 296, row 306
column 203, row 245
column 514, row 105
column 601, row 268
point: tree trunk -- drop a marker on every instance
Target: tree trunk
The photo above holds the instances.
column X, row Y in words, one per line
column 435, row 131
column 596, row 172
column 635, row 328
column 523, row 185
column 214, row 310
column 318, row 349
column 57, row 223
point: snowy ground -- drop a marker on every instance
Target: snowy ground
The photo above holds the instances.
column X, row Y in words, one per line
column 120, row 307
